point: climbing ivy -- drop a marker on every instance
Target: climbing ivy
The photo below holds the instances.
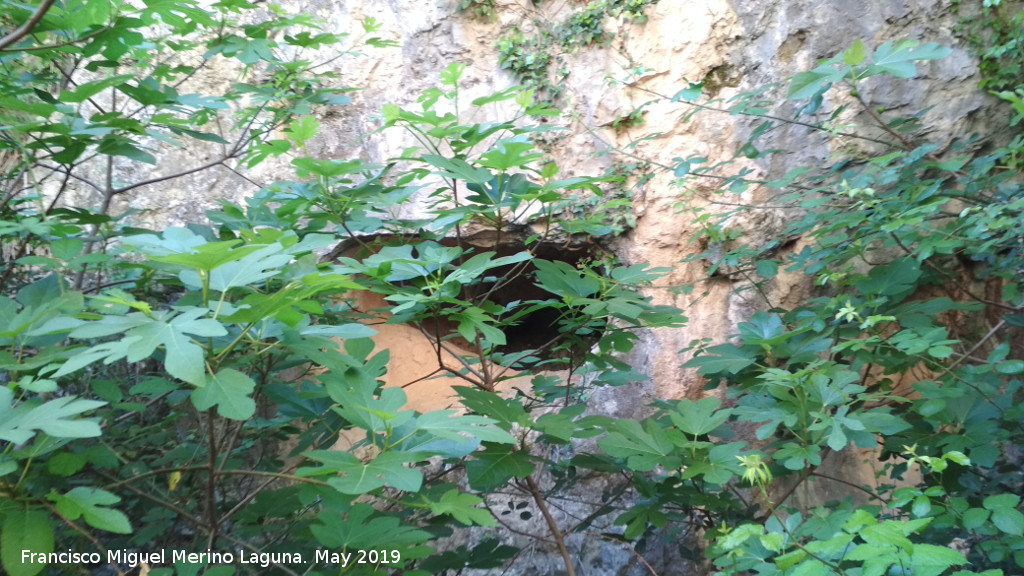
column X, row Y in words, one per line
column 479, row 8
column 535, row 58
column 994, row 33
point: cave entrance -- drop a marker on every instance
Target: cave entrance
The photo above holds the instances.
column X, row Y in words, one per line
column 506, row 285
column 535, row 330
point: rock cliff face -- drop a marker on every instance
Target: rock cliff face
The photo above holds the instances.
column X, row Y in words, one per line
column 730, row 46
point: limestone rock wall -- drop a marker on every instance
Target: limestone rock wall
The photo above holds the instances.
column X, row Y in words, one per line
column 740, row 46
column 733, row 46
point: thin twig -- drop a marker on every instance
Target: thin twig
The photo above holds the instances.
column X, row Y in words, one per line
column 422, row 378
column 252, row 548
column 627, row 546
column 273, row 475
column 439, row 347
column 67, row 171
column 601, row 509
column 814, row 127
column 181, row 512
column 850, row 484
column 211, row 481
column 83, row 532
column 973, row 349
column 952, row 280
column 243, row 502
column 71, row 42
column 159, row 179
column 789, row 491
column 26, row 28
column 538, row 498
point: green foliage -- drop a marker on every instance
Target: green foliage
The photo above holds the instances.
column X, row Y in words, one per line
column 631, row 120
column 184, row 389
column 187, row 388
column 479, row 8
column 530, row 58
column 993, row 31
column 891, row 354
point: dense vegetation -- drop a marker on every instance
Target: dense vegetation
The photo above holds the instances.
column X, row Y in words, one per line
column 182, row 389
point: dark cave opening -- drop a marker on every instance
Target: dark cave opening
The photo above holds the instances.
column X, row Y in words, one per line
column 504, row 286
column 538, row 328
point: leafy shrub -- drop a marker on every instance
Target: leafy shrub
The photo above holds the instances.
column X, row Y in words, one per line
column 905, row 353
column 993, row 31
column 530, row 57
column 183, row 390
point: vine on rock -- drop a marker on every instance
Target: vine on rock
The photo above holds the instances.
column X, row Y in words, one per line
column 531, row 56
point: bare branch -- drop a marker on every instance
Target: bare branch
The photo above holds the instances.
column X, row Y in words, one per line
column 538, row 499
column 26, row 28
column 159, row 179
